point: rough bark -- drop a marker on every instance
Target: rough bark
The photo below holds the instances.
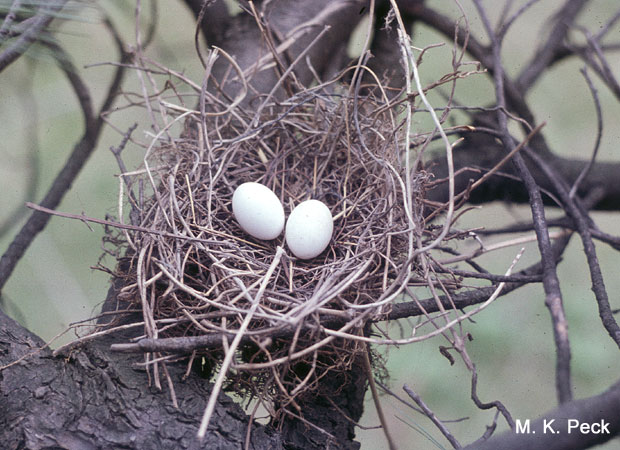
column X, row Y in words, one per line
column 92, row 399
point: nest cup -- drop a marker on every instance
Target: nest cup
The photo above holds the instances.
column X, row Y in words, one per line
column 201, row 274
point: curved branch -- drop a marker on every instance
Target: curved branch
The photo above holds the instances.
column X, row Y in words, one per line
column 213, row 18
column 78, row 157
column 597, row 410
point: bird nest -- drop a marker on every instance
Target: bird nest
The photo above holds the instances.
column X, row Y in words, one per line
column 273, row 323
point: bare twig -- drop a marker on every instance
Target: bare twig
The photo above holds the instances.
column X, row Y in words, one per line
column 431, row 415
column 42, row 19
column 599, row 134
column 543, row 56
column 377, row 401
column 206, row 418
column 551, row 283
column 601, row 407
column 581, row 222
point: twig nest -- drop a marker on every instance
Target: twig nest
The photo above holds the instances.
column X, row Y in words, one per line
column 309, row 229
column 258, row 210
column 202, row 275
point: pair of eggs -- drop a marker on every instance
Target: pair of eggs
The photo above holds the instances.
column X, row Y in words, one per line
column 260, row 213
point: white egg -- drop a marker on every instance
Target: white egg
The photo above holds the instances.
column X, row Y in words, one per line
column 258, row 210
column 309, row 229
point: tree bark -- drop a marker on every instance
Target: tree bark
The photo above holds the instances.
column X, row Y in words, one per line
column 94, row 399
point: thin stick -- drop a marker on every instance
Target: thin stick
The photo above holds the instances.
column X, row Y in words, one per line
column 551, row 283
column 122, row 226
column 375, row 398
column 599, row 134
column 431, row 415
column 206, row 418
column 449, row 159
column 437, row 331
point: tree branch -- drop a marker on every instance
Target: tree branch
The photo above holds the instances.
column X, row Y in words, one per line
column 44, row 16
column 598, row 409
column 59, row 402
column 544, row 55
column 77, row 159
column 551, row 283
